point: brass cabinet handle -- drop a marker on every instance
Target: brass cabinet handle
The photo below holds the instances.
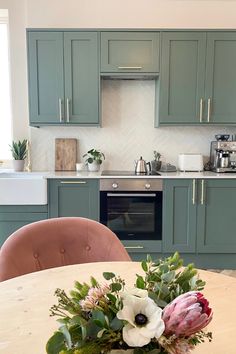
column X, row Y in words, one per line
column 60, row 111
column 73, row 182
column 208, row 109
column 194, row 192
column 202, row 192
column 201, row 110
column 67, row 110
column 134, row 247
column 130, row 67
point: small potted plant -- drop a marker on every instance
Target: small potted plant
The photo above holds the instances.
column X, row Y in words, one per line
column 94, row 159
column 19, row 153
column 156, row 163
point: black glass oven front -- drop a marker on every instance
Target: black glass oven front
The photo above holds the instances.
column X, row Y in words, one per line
column 132, row 215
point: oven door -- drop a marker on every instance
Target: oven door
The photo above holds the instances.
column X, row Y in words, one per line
column 132, row 215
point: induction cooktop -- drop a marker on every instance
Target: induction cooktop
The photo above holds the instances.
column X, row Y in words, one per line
column 126, row 173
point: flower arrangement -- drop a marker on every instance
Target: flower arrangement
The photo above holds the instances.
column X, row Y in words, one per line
column 164, row 313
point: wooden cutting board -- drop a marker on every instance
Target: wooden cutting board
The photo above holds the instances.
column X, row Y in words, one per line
column 65, row 154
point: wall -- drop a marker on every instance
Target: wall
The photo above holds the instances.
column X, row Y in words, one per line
column 128, row 106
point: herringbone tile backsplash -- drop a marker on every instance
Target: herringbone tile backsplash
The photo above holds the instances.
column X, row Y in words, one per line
column 127, row 131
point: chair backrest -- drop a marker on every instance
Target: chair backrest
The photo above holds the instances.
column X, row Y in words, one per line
column 58, row 242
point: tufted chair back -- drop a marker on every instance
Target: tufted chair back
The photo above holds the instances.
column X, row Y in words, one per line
column 58, row 242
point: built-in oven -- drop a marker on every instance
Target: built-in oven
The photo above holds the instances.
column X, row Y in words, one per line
column 132, row 207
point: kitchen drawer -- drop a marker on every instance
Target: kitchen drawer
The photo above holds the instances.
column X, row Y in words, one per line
column 143, row 246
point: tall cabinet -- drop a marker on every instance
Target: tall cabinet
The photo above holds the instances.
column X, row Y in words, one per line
column 197, row 78
column 63, row 78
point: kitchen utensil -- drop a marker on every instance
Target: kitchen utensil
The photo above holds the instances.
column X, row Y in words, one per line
column 141, row 167
column 65, row 154
column 222, row 137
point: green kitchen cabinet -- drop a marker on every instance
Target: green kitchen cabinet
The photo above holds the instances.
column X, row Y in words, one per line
column 63, row 78
column 12, row 217
column 216, row 221
column 197, row 79
column 74, row 197
column 179, row 216
column 129, row 52
column 199, row 216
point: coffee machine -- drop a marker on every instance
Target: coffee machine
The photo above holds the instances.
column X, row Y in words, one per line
column 223, row 155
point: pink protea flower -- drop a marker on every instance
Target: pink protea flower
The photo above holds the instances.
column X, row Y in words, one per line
column 94, row 295
column 187, row 314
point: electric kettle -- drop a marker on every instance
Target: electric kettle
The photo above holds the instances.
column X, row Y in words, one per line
column 141, row 167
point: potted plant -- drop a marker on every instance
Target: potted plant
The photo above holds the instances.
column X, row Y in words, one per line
column 94, row 159
column 19, row 153
column 156, row 163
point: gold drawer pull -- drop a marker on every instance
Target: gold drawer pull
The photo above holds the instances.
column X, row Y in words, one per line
column 73, row 182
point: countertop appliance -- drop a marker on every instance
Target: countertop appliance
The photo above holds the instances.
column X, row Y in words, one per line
column 132, row 208
column 223, row 156
column 190, row 162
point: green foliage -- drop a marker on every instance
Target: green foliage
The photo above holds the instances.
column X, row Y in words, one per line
column 19, row 149
column 166, row 279
column 157, row 155
column 94, row 155
column 94, row 328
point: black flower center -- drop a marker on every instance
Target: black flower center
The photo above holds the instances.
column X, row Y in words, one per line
column 140, row 319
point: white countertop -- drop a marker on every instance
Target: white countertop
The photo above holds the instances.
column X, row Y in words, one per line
column 97, row 175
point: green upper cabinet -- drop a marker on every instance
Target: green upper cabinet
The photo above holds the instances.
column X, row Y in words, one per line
column 198, row 78
column 63, row 78
column 129, row 52
column 220, row 103
column 76, row 197
column 182, row 77
column 216, row 221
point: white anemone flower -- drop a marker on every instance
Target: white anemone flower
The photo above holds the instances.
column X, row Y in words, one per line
column 144, row 320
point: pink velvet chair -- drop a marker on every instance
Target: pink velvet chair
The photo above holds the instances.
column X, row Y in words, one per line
column 58, row 242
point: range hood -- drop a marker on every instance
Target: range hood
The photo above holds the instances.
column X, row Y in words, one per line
column 129, row 76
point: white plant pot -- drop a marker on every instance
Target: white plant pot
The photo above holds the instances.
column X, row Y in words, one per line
column 18, row 165
column 93, row 167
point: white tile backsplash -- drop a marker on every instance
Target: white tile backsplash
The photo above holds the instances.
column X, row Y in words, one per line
column 127, row 131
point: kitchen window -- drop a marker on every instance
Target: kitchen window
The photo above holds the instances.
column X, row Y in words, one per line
column 5, row 99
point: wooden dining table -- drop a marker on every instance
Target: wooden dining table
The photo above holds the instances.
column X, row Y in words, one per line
column 25, row 324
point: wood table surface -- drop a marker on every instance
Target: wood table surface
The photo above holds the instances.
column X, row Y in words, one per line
column 25, row 325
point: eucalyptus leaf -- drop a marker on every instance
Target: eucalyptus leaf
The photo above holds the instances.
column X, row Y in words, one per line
column 56, row 343
column 108, row 275
column 140, row 283
column 116, row 287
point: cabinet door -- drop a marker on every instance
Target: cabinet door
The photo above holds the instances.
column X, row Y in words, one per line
column 81, row 77
column 74, row 198
column 216, row 221
column 130, row 52
column 221, row 77
column 46, row 83
column 182, row 77
column 13, row 217
column 179, row 216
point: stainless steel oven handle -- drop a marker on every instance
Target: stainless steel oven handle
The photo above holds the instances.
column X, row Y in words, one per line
column 131, row 194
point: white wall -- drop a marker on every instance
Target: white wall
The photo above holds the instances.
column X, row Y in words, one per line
column 128, row 106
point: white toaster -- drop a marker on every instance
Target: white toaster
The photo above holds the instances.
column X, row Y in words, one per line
column 190, row 162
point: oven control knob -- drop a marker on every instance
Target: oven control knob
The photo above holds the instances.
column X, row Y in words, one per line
column 147, row 186
column 114, row 185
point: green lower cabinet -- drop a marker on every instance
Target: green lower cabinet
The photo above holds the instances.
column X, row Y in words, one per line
column 199, row 217
column 216, row 218
column 74, row 197
column 13, row 217
column 179, row 216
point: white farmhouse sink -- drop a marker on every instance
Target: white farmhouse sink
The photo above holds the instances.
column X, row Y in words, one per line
column 23, row 188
